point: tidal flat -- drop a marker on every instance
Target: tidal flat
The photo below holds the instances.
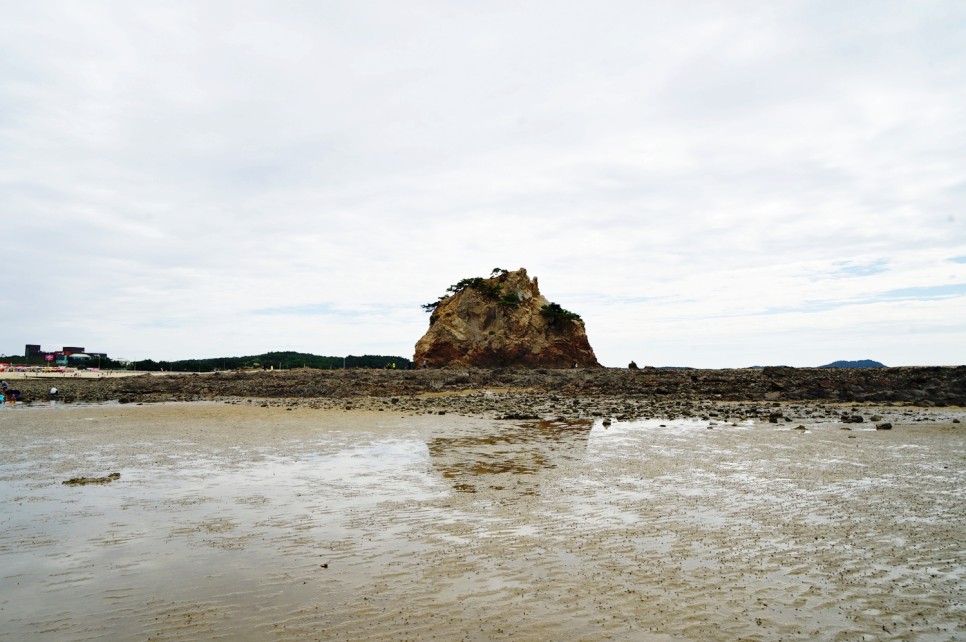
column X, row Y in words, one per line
column 252, row 523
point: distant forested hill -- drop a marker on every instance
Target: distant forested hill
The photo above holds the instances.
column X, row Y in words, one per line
column 862, row 363
column 277, row 361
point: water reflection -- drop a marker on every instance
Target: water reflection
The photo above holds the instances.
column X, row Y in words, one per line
column 512, row 457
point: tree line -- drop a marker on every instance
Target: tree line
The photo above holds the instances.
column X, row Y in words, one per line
column 267, row 361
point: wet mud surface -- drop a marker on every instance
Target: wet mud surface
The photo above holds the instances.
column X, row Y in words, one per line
column 236, row 522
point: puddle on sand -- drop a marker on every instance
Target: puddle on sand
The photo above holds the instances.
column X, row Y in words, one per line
column 264, row 524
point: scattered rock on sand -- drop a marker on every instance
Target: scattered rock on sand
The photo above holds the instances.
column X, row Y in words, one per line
column 83, row 481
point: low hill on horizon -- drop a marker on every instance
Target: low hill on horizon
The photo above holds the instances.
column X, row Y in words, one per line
column 861, row 363
column 282, row 360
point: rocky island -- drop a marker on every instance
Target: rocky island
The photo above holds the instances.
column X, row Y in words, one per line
column 502, row 321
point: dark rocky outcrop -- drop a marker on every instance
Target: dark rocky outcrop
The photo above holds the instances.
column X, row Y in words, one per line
column 503, row 321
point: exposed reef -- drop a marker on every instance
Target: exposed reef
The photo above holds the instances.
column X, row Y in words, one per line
column 541, row 392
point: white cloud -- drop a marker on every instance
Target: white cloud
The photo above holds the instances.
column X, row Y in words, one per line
column 714, row 184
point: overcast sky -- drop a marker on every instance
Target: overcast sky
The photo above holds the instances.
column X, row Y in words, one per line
column 713, row 184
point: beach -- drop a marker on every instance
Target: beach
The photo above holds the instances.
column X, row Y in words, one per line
column 244, row 521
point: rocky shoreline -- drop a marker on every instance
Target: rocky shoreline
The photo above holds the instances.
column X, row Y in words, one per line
column 532, row 393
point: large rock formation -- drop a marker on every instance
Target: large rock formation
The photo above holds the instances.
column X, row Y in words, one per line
column 502, row 321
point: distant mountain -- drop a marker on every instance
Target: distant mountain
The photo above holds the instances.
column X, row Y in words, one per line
column 862, row 363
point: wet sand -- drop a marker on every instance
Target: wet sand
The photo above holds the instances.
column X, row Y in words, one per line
column 242, row 522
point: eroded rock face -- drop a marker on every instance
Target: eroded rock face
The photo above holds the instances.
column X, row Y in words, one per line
column 503, row 321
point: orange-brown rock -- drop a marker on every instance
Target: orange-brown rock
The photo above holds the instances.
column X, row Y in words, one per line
column 503, row 321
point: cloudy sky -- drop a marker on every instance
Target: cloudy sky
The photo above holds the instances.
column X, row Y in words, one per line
column 714, row 184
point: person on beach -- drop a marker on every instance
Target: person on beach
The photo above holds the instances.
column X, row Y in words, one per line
column 3, row 386
column 53, row 393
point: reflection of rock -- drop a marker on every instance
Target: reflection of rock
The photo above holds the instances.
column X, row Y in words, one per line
column 83, row 481
column 511, row 457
